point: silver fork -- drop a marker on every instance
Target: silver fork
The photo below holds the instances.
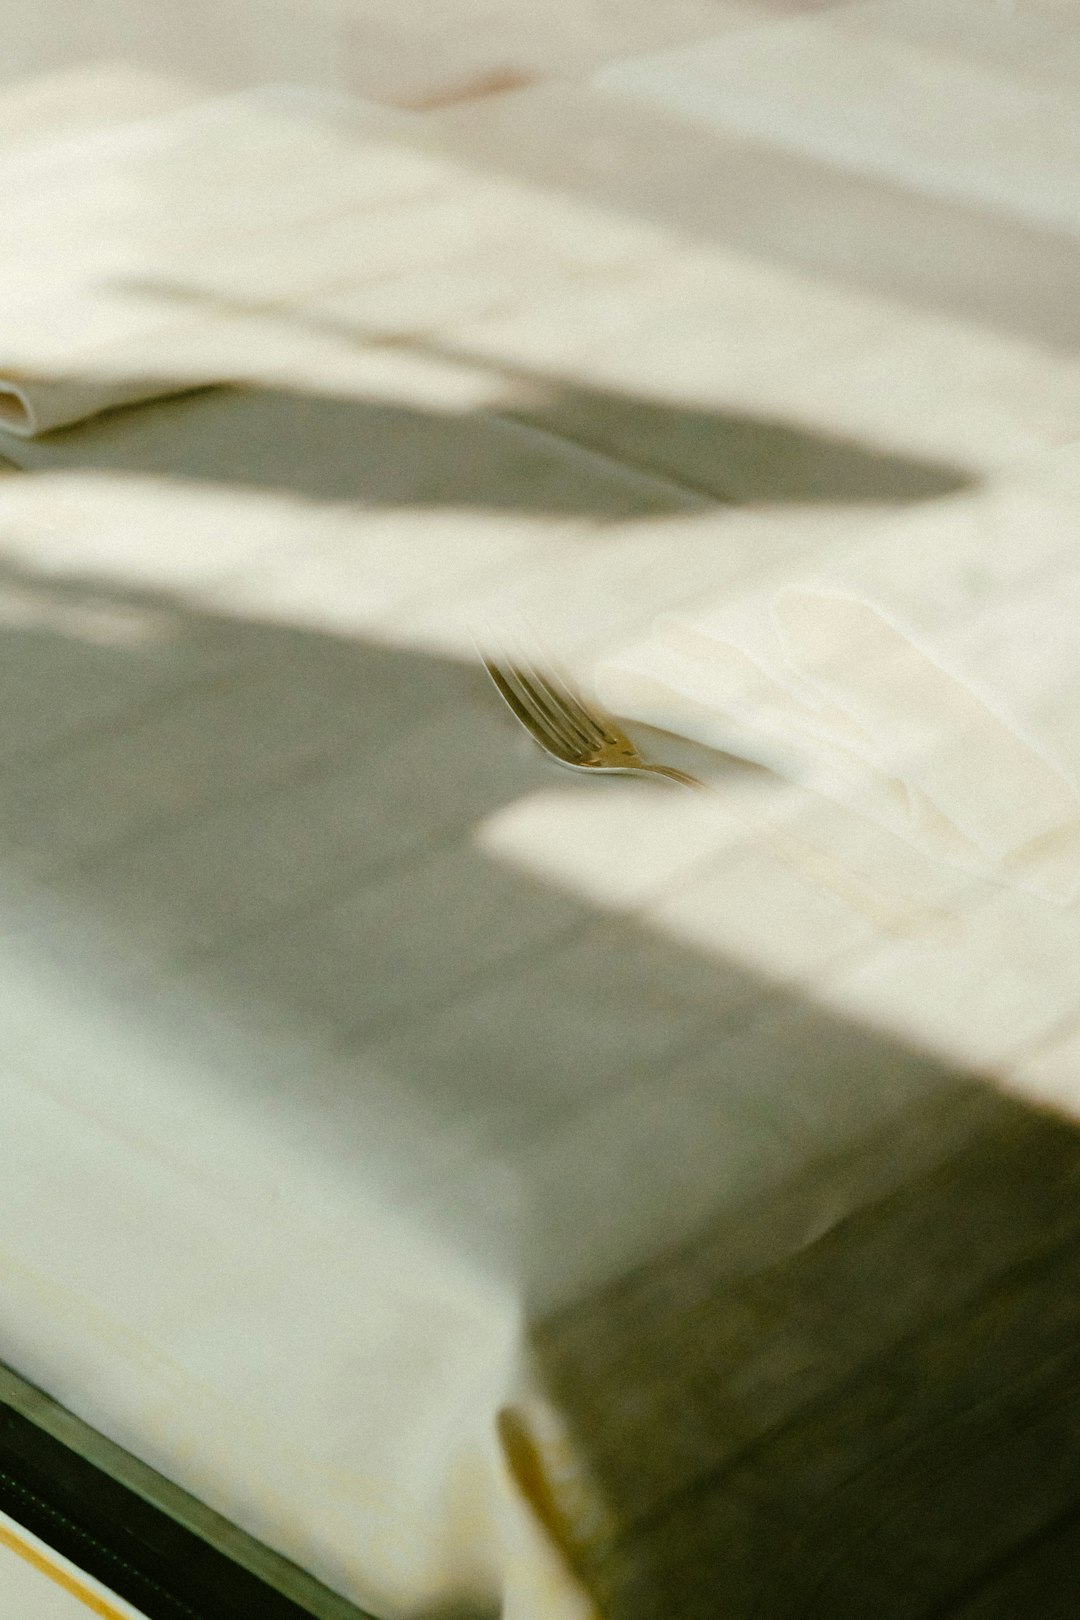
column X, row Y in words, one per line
column 567, row 728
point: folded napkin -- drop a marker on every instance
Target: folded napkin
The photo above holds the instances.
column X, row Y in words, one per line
column 76, row 337
column 137, row 260
column 30, row 405
column 927, row 677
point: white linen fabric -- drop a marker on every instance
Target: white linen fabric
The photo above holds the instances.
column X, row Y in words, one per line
column 30, row 405
column 926, row 676
column 948, row 97
column 74, row 334
column 280, row 1227
column 116, row 242
column 389, row 1479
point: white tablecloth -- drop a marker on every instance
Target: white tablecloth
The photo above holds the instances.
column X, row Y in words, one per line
column 341, row 1042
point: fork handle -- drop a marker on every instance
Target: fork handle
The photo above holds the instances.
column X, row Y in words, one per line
column 673, row 775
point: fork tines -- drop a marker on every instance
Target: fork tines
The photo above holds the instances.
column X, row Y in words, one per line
column 549, row 710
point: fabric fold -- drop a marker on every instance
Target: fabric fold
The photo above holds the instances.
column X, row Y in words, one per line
column 137, row 260
column 30, row 406
column 926, row 677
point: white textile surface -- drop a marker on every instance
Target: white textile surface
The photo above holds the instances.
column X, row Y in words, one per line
column 925, row 676
column 295, row 1147
column 117, row 242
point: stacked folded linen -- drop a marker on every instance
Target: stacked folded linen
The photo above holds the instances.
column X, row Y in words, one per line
column 926, row 676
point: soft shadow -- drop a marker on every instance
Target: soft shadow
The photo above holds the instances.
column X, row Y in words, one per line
column 364, row 451
column 751, row 460
column 884, row 1421
column 647, row 458
column 250, row 850
column 780, row 206
column 641, row 456
column 459, row 1611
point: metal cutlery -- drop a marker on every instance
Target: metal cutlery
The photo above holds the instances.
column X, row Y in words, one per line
column 568, row 728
